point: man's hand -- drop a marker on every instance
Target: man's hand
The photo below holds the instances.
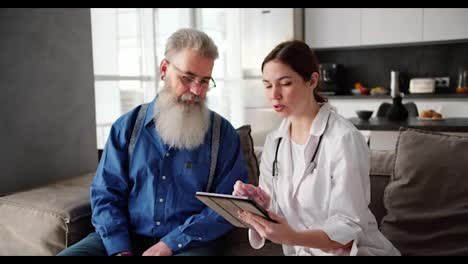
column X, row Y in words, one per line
column 124, row 254
column 253, row 192
column 160, row 249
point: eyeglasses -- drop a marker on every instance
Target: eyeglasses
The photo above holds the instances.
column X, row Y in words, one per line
column 189, row 79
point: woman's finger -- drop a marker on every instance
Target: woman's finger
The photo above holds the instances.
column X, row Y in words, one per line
column 275, row 216
column 259, row 219
column 252, row 221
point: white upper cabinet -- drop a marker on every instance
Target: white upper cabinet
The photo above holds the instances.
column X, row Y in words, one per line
column 263, row 29
column 332, row 27
column 349, row 27
column 445, row 24
column 391, row 25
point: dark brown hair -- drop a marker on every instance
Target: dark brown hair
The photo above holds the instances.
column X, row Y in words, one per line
column 300, row 57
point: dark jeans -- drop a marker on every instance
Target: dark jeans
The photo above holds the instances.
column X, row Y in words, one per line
column 92, row 246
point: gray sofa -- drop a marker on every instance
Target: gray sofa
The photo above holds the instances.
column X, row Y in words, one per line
column 45, row 220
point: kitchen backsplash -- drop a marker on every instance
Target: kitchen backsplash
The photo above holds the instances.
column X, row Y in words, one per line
column 372, row 66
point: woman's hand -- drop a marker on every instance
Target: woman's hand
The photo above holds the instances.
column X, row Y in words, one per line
column 279, row 232
column 253, row 192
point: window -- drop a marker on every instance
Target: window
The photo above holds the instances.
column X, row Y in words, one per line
column 223, row 25
column 124, row 63
column 128, row 46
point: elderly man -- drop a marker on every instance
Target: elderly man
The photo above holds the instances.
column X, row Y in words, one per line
column 157, row 156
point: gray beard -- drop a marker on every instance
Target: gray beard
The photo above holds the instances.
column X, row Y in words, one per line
column 180, row 125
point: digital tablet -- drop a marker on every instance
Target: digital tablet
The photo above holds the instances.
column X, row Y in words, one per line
column 228, row 205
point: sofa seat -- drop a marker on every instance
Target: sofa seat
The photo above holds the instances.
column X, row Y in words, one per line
column 45, row 220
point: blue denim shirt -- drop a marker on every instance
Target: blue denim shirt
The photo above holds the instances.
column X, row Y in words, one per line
column 154, row 196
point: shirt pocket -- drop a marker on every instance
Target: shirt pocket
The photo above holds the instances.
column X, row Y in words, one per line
column 192, row 178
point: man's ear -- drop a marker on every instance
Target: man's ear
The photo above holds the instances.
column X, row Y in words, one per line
column 163, row 68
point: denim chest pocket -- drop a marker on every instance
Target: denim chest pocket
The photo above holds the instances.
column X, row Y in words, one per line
column 193, row 177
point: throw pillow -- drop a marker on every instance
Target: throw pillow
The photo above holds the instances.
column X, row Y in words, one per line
column 249, row 154
column 427, row 197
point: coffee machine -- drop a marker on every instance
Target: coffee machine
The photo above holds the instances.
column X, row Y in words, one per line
column 332, row 79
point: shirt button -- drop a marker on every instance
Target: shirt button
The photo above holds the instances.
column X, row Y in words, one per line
column 167, row 154
column 161, row 200
column 163, row 177
column 158, row 223
column 179, row 245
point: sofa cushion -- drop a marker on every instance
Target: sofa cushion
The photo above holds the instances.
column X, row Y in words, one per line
column 44, row 220
column 249, row 153
column 427, row 197
column 382, row 162
column 381, row 169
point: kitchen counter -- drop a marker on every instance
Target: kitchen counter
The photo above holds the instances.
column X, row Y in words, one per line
column 383, row 124
column 406, row 96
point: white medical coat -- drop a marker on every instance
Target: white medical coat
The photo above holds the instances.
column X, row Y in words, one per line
column 334, row 196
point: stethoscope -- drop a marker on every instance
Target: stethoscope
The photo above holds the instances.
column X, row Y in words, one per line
column 310, row 168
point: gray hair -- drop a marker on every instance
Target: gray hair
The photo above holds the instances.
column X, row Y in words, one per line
column 189, row 38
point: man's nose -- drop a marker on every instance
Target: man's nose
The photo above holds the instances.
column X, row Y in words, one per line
column 196, row 88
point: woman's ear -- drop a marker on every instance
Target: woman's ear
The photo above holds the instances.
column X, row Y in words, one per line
column 314, row 80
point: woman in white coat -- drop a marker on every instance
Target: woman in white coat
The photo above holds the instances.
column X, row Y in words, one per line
column 314, row 171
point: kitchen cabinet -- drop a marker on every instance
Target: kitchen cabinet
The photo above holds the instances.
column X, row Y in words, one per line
column 445, row 24
column 391, row 25
column 332, row 27
column 262, row 29
column 353, row 27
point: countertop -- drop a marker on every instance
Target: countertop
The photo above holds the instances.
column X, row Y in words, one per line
column 406, row 96
column 383, row 124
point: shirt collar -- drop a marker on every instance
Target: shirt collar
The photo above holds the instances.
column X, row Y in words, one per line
column 320, row 121
column 149, row 117
column 318, row 125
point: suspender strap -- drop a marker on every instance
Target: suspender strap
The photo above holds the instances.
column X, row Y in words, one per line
column 216, row 130
column 136, row 130
column 214, row 148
